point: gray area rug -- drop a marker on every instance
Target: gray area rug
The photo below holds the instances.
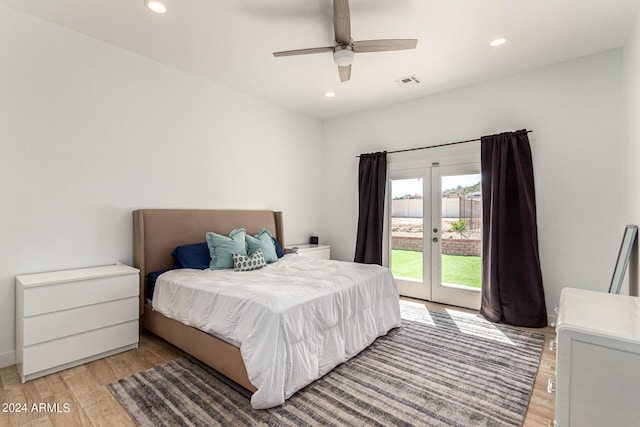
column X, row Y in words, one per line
column 441, row 368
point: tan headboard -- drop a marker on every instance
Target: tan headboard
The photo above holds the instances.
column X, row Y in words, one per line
column 157, row 232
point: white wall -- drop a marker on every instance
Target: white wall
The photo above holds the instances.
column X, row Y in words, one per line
column 632, row 149
column 576, row 112
column 90, row 132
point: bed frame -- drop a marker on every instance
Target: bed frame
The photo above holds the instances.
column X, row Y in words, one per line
column 156, row 234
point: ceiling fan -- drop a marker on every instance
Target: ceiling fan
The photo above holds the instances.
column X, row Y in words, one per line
column 345, row 46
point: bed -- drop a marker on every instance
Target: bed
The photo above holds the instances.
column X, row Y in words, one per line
column 357, row 302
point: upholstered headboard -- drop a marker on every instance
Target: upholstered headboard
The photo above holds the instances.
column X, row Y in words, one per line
column 157, row 232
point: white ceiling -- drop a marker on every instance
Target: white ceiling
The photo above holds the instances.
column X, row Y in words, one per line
column 231, row 42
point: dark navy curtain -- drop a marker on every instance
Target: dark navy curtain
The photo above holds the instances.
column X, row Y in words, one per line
column 372, row 181
column 512, row 289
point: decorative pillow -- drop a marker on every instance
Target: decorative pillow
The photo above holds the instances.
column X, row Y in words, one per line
column 151, row 282
column 248, row 263
column 279, row 251
column 195, row 255
column 221, row 248
column 263, row 241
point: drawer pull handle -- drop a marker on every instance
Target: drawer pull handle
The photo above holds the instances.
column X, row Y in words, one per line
column 552, row 344
column 550, row 386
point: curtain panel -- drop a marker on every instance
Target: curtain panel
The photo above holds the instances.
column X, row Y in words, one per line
column 372, row 182
column 512, row 289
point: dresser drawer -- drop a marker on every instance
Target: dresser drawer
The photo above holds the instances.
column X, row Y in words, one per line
column 312, row 250
column 597, row 359
column 324, row 253
column 40, row 357
column 46, row 327
column 46, row 299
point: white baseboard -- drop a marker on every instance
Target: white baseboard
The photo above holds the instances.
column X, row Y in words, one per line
column 7, row 359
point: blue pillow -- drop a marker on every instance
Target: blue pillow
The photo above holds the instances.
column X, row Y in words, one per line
column 151, row 282
column 279, row 251
column 222, row 248
column 264, row 242
column 195, row 255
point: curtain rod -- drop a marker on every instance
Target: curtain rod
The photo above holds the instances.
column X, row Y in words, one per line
column 436, row 146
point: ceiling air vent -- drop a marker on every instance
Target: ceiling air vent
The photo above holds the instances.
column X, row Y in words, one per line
column 411, row 80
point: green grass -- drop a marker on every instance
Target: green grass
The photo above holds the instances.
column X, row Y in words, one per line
column 461, row 270
column 407, row 264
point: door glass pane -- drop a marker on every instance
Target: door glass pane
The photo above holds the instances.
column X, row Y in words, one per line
column 461, row 231
column 407, row 228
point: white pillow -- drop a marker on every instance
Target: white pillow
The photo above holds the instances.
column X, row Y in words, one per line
column 250, row 262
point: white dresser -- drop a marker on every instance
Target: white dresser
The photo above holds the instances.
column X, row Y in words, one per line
column 313, row 251
column 67, row 318
column 597, row 360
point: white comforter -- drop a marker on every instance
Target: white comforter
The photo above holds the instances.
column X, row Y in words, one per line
column 294, row 320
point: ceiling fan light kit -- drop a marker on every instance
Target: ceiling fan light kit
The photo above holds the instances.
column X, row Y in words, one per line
column 345, row 48
column 343, row 56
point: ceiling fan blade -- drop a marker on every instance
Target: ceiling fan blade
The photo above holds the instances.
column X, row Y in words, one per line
column 303, row 51
column 384, row 45
column 345, row 73
column 341, row 21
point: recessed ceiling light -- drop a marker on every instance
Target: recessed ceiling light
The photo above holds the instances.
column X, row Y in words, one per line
column 156, row 5
column 498, row 42
column 329, row 94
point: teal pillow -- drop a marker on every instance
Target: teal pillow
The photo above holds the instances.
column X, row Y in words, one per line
column 264, row 242
column 222, row 248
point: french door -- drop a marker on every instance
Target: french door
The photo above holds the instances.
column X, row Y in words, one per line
column 435, row 242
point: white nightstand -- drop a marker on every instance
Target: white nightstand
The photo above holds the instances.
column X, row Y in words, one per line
column 312, row 251
column 67, row 318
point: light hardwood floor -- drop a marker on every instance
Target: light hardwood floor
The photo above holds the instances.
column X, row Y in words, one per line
column 90, row 403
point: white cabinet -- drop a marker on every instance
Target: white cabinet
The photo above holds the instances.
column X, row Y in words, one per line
column 313, row 251
column 67, row 318
column 597, row 360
